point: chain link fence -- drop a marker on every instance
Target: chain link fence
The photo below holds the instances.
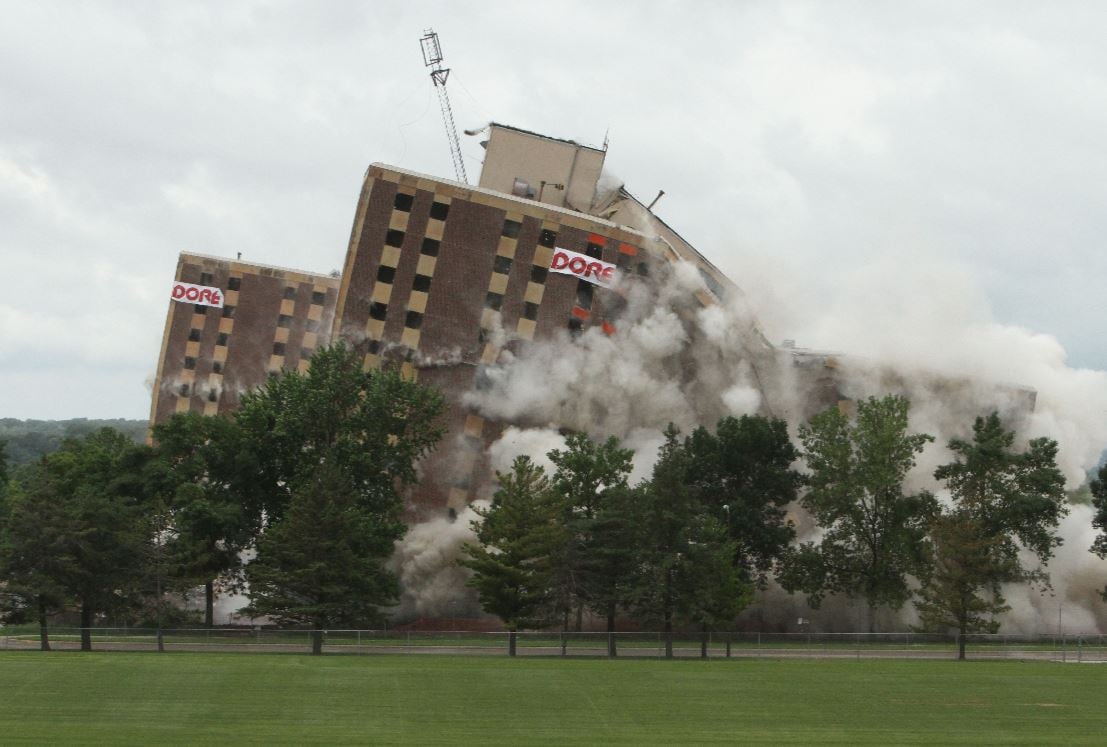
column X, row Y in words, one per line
column 1076, row 648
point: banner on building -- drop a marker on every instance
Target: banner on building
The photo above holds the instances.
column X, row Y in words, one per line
column 593, row 270
column 204, row 295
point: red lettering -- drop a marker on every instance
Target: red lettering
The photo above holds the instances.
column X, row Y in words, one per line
column 594, row 268
column 192, row 294
column 215, row 298
column 577, row 265
column 178, row 291
column 607, row 273
column 560, row 260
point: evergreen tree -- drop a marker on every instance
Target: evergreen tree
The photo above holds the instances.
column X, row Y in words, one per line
column 1099, row 502
column 587, row 477
column 339, row 442
column 1005, row 503
column 518, row 535
column 322, row 563
column 685, row 567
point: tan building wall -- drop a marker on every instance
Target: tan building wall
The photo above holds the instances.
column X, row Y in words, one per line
column 517, row 154
column 273, row 318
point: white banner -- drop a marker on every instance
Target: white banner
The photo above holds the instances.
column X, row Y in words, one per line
column 593, row 270
column 203, row 295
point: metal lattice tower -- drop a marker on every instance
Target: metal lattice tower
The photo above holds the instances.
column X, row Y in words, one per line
column 432, row 58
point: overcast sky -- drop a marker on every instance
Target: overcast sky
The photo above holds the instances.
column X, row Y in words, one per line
column 826, row 155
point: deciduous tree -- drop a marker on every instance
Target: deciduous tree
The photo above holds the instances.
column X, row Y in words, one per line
column 743, row 474
column 80, row 527
column 873, row 532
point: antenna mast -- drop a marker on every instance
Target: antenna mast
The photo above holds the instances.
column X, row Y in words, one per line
column 432, row 58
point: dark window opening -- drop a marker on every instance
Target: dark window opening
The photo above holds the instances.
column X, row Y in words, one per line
column 278, row 348
column 183, row 391
column 439, row 210
column 421, row 283
column 228, row 312
column 403, row 202
column 584, row 294
column 213, row 396
column 222, row 339
column 305, row 353
column 451, row 514
column 234, row 284
column 284, row 320
column 374, row 347
column 430, row 247
column 201, row 309
column 378, row 310
column 530, row 311
column 190, row 363
column 494, row 301
column 502, row 265
column 547, row 237
column 311, row 325
column 318, row 297
column 575, row 326
column 595, row 251
column 538, row 274
column 386, row 274
column 394, row 238
column 511, row 229
column 482, row 336
column 289, row 293
column 623, row 261
column 216, row 367
column 205, row 278
column 194, row 335
column 643, row 269
column 414, row 320
column 273, row 374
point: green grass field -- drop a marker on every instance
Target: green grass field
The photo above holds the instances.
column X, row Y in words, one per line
column 203, row 698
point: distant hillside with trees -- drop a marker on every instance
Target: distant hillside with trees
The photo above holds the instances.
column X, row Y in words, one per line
column 27, row 440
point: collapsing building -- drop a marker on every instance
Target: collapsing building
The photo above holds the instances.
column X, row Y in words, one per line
column 451, row 282
column 231, row 325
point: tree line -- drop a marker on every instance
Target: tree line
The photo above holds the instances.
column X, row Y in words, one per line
column 308, row 480
column 309, row 474
column 694, row 541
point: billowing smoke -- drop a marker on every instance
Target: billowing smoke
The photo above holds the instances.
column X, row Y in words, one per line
column 671, row 360
column 433, row 584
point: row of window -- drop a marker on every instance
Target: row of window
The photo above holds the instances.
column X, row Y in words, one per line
column 228, row 311
column 318, row 298
column 404, row 203
column 379, row 311
column 185, row 390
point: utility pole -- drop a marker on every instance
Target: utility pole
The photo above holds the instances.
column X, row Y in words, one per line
column 432, row 58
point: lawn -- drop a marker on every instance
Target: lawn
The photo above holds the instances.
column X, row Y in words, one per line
column 65, row 697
